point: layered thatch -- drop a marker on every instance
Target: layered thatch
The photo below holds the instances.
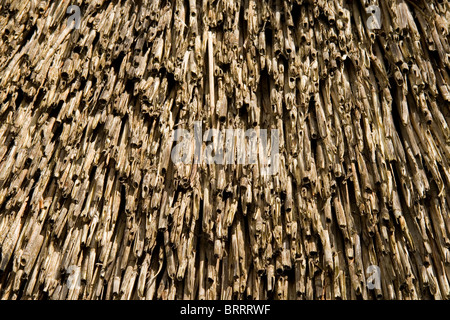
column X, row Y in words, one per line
column 86, row 130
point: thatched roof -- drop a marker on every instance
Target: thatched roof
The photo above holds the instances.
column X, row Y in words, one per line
column 86, row 131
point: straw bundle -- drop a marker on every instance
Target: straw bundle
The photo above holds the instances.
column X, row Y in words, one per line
column 92, row 207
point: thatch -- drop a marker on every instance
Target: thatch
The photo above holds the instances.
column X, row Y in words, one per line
column 86, row 130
